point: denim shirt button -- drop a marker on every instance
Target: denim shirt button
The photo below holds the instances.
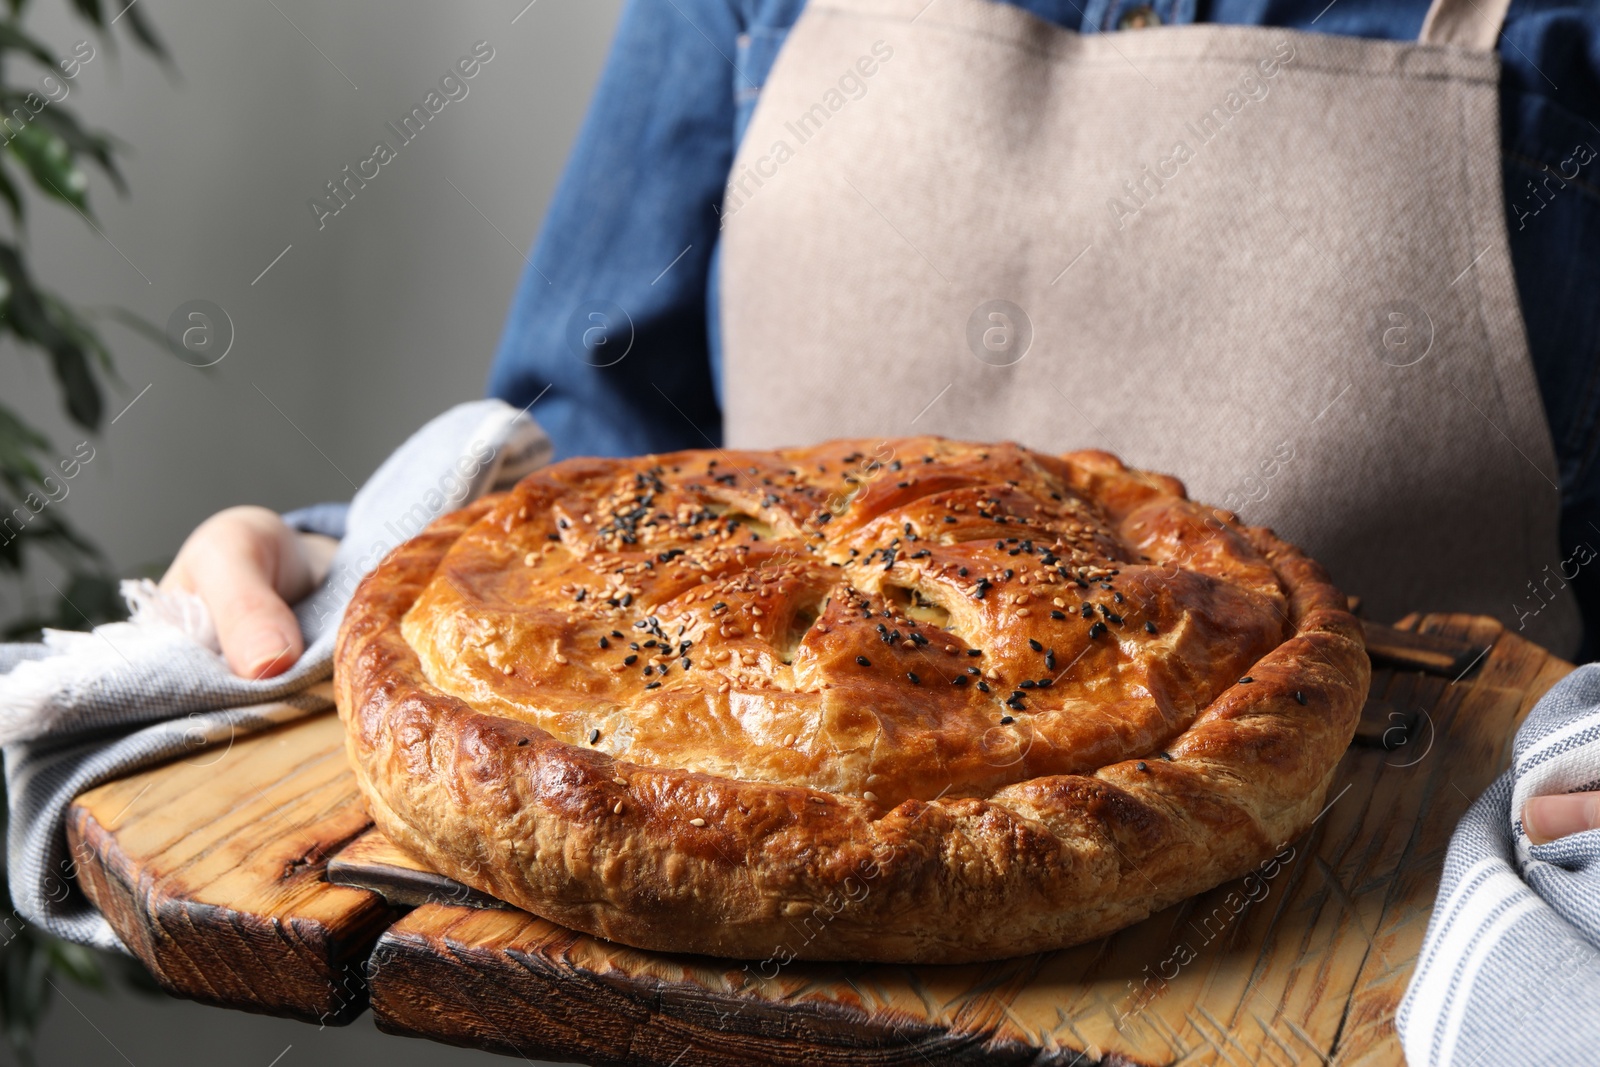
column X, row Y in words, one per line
column 1138, row 18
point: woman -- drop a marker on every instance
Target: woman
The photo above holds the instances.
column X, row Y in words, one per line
column 1273, row 253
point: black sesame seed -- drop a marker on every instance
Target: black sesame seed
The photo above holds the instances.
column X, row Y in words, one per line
column 911, row 676
column 864, row 661
column 974, row 651
column 973, row 670
column 522, row 741
column 1300, row 698
column 1087, row 611
column 961, row 571
column 1246, row 680
column 1006, row 720
column 1029, row 684
column 1142, row 765
column 604, row 643
column 594, row 735
column 1050, row 659
column 1097, row 629
column 1046, row 683
column 959, row 679
column 1057, row 615
column 1036, row 646
column 653, row 685
column 1149, row 627
column 1167, row 756
column 983, row 687
column 616, row 634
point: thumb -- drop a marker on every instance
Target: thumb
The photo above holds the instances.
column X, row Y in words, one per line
column 258, row 633
column 1547, row 818
column 242, row 570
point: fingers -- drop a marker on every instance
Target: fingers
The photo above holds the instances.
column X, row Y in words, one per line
column 1547, row 818
column 246, row 565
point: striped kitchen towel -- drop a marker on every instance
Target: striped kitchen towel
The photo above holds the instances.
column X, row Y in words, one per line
column 84, row 708
column 1509, row 971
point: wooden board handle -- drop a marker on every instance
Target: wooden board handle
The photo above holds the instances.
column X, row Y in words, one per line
column 1448, row 657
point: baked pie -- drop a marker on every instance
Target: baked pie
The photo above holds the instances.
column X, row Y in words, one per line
column 905, row 700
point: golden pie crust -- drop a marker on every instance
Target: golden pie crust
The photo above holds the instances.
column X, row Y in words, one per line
column 905, row 700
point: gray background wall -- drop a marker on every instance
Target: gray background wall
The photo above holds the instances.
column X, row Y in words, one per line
column 359, row 333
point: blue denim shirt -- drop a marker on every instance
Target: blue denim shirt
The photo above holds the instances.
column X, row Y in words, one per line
column 626, row 261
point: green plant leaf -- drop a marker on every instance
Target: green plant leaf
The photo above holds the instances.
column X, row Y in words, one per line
column 50, row 161
column 36, row 317
column 13, row 38
column 145, row 33
column 71, row 366
column 14, row 202
column 77, row 963
column 98, row 147
column 17, row 441
column 144, row 328
column 77, row 330
column 90, row 9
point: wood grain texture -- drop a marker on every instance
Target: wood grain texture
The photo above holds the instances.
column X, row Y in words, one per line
column 211, row 871
column 1305, row 964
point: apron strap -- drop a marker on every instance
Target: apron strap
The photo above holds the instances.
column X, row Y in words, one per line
column 1470, row 24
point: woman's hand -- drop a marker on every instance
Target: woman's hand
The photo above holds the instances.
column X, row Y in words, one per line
column 1547, row 818
column 248, row 566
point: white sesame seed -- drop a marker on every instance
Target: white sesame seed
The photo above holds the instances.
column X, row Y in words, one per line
column 618, row 809
column 870, row 797
column 697, row 822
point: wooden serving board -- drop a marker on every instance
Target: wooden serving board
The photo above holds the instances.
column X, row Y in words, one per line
column 211, row 869
column 225, row 884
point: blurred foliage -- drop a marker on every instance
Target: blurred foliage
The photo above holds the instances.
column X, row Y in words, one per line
column 46, row 153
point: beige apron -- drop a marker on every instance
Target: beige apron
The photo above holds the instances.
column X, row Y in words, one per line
column 1270, row 262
